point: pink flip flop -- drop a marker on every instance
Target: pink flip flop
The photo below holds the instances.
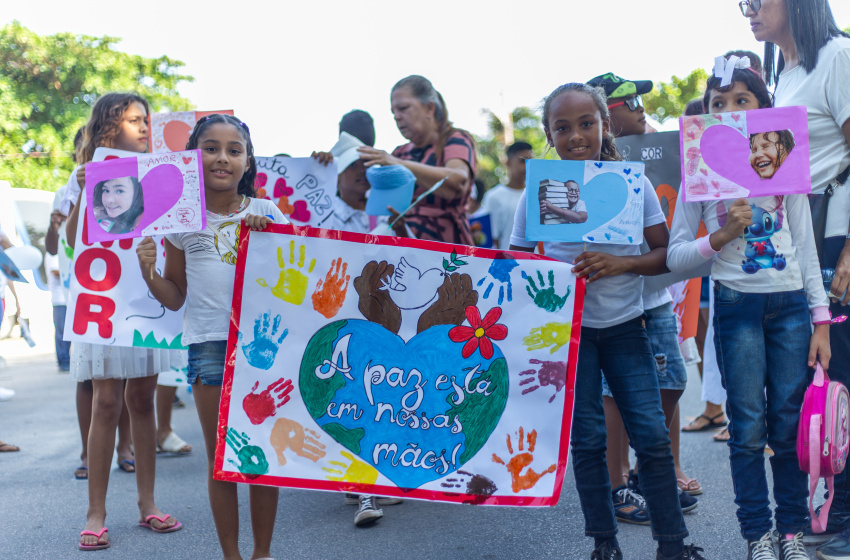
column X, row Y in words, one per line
column 146, row 524
column 94, row 546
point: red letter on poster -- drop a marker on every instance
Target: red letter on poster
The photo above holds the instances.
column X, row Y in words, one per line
column 85, row 314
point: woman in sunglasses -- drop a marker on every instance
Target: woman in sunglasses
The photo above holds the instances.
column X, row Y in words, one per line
column 813, row 69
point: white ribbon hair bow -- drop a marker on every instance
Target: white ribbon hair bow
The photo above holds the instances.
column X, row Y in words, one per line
column 723, row 67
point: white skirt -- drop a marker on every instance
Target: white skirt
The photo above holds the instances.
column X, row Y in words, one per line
column 96, row 361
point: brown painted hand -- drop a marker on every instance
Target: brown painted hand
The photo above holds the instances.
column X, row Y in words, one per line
column 453, row 297
column 375, row 304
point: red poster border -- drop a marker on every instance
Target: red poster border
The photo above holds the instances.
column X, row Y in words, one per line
column 227, row 387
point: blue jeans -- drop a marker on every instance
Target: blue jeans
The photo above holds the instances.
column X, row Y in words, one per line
column 63, row 348
column 623, row 352
column 762, row 342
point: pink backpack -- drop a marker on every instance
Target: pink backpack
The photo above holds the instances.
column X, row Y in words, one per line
column 823, row 438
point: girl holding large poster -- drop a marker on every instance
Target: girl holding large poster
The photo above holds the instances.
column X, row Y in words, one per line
column 613, row 339
column 200, row 268
column 119, row 120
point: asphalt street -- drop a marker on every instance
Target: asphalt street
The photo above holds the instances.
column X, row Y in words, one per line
column 43, row 507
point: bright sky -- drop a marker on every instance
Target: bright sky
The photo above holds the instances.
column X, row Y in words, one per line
column 292, row 69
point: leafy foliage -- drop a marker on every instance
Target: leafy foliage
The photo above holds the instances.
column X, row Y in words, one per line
column 668, row 99
column 48, row 85
column 525, row 126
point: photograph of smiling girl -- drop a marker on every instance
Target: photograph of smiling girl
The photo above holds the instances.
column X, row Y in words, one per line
column 768, row 151
column 560, row 202
column 119, row 204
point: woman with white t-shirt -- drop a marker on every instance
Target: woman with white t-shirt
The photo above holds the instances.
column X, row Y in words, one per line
column 813, row 69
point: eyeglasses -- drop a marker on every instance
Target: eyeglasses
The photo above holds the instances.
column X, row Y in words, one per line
column 755, row 5
column 632, row 103
column 572, row 190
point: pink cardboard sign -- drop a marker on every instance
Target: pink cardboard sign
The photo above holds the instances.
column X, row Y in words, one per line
column 743, row 154
column 169, row 132
column 151, row 194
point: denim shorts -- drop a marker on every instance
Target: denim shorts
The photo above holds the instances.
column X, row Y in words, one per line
column 206, row 362
column 662, row 329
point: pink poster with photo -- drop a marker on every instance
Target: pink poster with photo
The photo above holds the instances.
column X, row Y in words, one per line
column 150, row 194
column 169, row 132
column 745, row 154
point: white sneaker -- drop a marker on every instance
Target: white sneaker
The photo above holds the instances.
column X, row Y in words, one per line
column 6, row 394
column 367, row 513
column 791, row 549
column 354, row 499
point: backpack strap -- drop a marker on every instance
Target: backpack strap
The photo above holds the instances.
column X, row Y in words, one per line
column 818, row 521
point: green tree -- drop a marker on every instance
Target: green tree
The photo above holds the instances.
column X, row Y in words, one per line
column 668, row 99
column 47, row 87
column 524, row 126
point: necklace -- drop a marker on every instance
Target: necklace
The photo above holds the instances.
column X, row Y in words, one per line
column 242, row 205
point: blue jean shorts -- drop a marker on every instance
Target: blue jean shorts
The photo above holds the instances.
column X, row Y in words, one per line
column 206, row 362
column 661, row 326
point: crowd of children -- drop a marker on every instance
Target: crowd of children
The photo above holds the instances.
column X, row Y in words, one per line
column 771, row 326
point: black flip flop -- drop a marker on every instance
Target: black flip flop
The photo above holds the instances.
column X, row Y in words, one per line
column 710, row 425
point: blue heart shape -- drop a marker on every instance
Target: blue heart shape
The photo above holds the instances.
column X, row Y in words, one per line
column 460, row 399
column 598, row 164
column 627, row 170
column 589, row 238
column 607, row 236
column 630, row 239
column 630, row 181
column 637, row 190
column 637, row 175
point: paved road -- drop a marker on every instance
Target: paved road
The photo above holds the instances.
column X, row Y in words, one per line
column 43, row 507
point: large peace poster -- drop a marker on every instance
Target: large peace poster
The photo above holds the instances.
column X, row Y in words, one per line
column 360, row 363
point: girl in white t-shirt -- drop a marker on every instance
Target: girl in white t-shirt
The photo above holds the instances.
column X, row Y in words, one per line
column 767, row 294
column 118, row 375
column 613, row 340
column 200, row 269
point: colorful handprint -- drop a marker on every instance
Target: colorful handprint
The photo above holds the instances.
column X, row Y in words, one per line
column 292, row 283
column 555, row 335
column 520, row 461
column 545, row 298
column 355, row 470
column 330, row 292
column 262, row 350
column 550, row 373
column 289, row 434
column 259, row 406
column 252, row 460
column 500, row 271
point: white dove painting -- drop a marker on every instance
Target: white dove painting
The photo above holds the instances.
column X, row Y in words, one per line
column 411, row 289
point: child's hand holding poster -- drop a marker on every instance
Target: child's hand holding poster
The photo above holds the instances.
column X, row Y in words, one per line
column 150, row 194
column 398, row 367
column 584, row 201
column 302, row 188
column 744, row 154
column 169, row 132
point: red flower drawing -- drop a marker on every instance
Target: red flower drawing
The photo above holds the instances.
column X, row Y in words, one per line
column 479, row 333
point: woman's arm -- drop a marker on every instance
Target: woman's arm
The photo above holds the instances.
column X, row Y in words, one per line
column 456, row 171
column 571, row 216
column 170, row 288
column 841, row 282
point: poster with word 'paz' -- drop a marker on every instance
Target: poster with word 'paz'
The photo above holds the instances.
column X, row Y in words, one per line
column 302, row 188
column 584, row 201
column 169, row 132
column 398, row 367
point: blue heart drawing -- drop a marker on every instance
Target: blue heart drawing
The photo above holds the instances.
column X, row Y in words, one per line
column 608, row 236
column 637, row 175
column 589, row 238
column 415, row 411
column 630, row 239
column 598, row 164
column 637, row 190
column 630, row 181
column 627, row 170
